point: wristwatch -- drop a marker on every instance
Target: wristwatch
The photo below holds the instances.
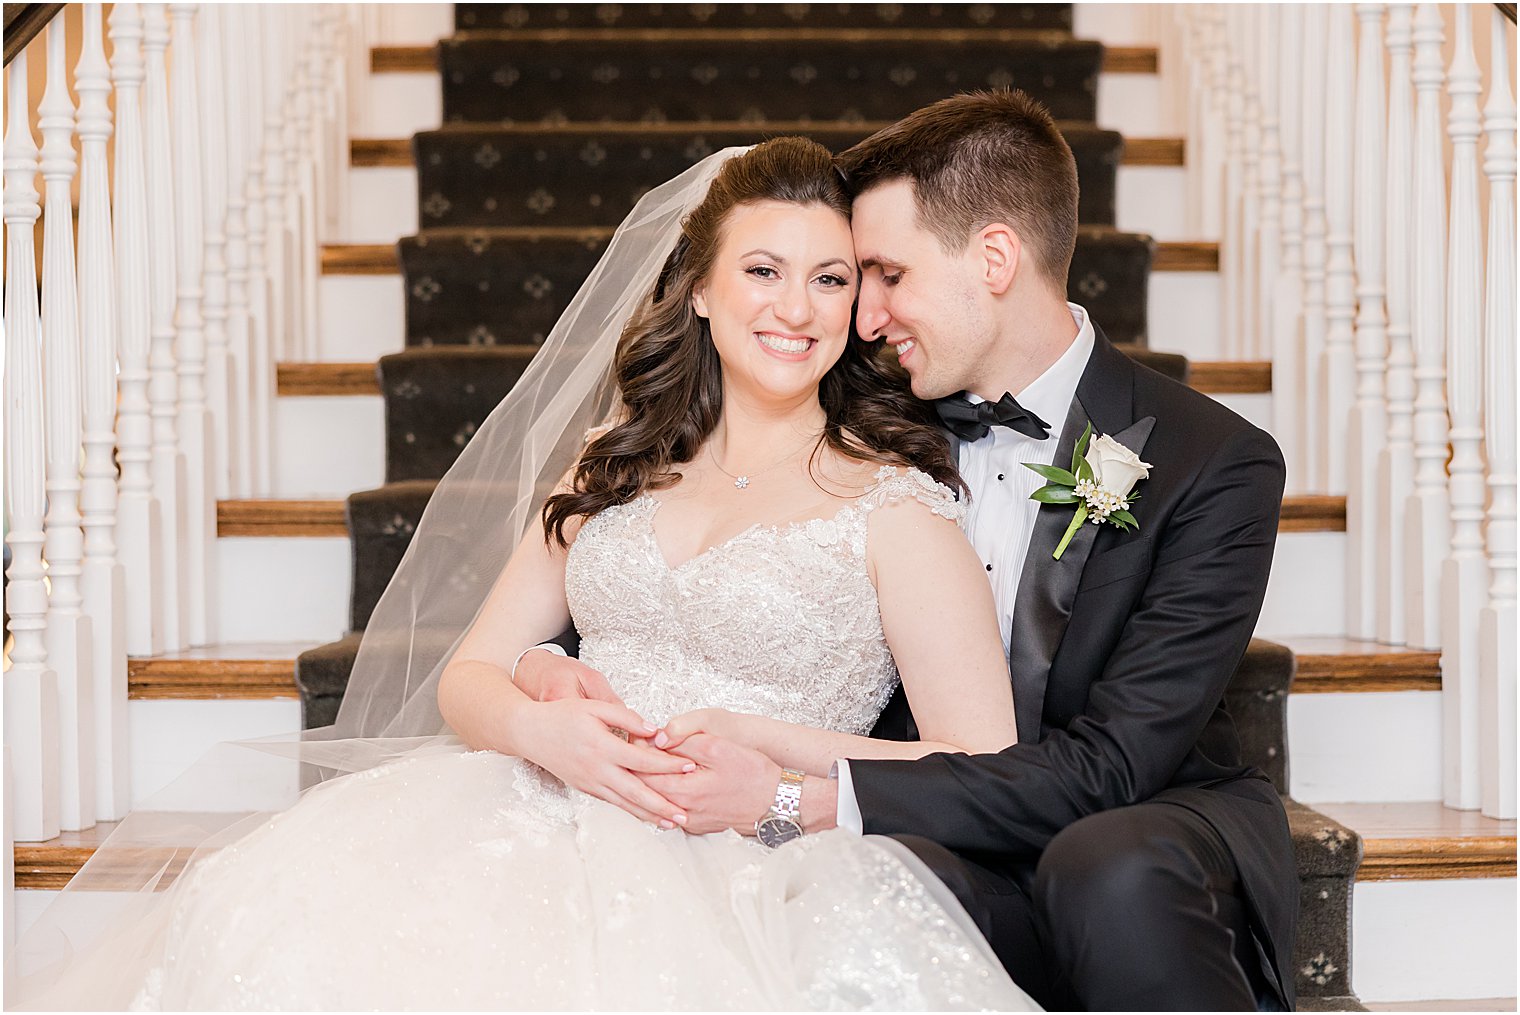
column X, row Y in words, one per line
column 782, row 823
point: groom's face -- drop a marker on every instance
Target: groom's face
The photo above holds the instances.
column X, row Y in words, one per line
column 923, row 302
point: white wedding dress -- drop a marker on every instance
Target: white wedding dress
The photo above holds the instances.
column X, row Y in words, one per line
column 467, row 879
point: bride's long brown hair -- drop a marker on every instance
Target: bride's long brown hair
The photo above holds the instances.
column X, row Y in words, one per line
column 670, row 378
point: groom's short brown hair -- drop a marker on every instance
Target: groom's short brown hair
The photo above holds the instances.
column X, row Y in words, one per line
column 975, row 159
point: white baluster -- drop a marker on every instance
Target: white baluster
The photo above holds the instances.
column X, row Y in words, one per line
column 1496, row 625
column 1315, row 229
column 1192, row 21
column 1214, row 122
column 1232, row 238
column 1396, row 463
column 139, row 520
column 1338, row 364
column 1287, row 292
column 277, row 238
column 303, row 191
column 262, row 295
column 31, row 688
column 1250, row 183
column 1269, row 237
column 336, row 123
column 232, row 42
column 1366, row 520
column 69, row 640
column 102, row 580
column 214, row 304
column 169, row 467
column 193, row 424
column 1425, row 525
column 1464, row 576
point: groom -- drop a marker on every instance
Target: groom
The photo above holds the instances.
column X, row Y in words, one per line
column 1120, row 855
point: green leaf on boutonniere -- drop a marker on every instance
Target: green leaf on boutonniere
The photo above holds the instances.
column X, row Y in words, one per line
column 1052, row 473
column 1079, row 454
column 1054, row 495
column 1123, row 519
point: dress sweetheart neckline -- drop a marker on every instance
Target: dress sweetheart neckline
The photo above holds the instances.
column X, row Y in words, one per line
column 771, row 527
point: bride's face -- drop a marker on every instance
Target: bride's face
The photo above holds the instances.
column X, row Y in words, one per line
column 778, row 297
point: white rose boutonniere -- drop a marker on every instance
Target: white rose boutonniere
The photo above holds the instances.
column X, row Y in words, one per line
column 1100, row 483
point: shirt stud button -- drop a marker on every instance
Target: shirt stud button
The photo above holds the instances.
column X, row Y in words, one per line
column 1000, row 477
column 989, row 567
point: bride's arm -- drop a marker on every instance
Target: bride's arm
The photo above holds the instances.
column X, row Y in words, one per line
column 571, row 738
column 938, row 616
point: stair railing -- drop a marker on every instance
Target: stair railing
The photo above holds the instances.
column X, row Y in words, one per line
column 1390, row 326
column 140, row 390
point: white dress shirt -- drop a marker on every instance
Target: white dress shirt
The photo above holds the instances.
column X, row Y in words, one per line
column 999, row 515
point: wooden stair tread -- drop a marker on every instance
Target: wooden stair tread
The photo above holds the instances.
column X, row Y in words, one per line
column 1337, row 665
column 380, row 258
column 424, row 58
column 1455, row 846
column 1426, row 841
column 397, row 152
column 234, row 671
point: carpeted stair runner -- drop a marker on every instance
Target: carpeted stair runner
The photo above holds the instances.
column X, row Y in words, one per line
column 1052, row 17
column 518, row 192
column 693, row 75
column 479, row 175
column 489, row 287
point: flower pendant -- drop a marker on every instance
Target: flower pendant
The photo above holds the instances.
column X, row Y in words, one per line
column 740, row 482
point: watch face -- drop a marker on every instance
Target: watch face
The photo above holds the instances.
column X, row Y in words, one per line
column 775, row 830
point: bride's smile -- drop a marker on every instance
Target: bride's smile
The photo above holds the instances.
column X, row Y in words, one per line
column 778, row 299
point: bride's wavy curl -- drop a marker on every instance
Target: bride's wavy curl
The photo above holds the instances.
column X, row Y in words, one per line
column 669, row 376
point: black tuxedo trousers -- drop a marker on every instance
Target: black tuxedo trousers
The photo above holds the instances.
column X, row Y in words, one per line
column 1121, row 855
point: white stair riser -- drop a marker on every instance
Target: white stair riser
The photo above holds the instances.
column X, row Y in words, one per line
column 283, row 589
column 1416, row 940
column 382, row 203
column 1370, row 747
column 1115, row 24
column 170, row 736
column 328, row 446
column 1152, row 199
column 363, row 317
column 1183, row 314
column 401, row 103
column 1306, row 591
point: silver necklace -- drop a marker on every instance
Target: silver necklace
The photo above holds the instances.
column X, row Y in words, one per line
column 741, row 482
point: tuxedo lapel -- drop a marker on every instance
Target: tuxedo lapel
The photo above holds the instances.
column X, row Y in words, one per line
column 1047, row 587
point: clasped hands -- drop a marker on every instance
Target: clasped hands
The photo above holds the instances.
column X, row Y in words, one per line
column 693, row 773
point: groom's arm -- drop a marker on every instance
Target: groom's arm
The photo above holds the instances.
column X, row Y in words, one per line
column 1146, row 708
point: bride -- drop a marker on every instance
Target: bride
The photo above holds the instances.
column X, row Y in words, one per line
column 763, row 530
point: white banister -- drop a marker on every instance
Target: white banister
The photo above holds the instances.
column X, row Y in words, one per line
column 214, row 193
column 68, row 629
column 1396, row 463
column 1232, row 235
column 1269, row 239
column 1463, row 575
column 1315, row 228
column 138, row 517
column 193, row 422
column 169, row 483
column 102, row 580
column 262, row 298
column 1287, row 292
column 1426, row 522
column 232, row 42
column 31, row 688
column 1366, row 520
column 1497, row 622
column 1337, row 375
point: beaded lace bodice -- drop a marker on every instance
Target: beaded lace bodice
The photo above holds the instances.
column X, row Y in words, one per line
column 781, row 620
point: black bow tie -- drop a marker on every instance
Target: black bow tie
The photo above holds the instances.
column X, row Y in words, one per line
column 971, row 421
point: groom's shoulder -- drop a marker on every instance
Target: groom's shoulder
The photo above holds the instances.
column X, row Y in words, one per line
column 1195, row 421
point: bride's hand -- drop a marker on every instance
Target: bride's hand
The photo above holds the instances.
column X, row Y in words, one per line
column 544, row 676
column 717, row 721
column 573, row 739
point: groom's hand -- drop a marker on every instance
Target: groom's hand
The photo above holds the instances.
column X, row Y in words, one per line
column 733, row 786
column 545, row 676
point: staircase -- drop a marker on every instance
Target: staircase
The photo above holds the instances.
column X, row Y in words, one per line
column 497, row 151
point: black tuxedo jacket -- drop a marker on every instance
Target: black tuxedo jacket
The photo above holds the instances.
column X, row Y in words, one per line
column 1120, row 655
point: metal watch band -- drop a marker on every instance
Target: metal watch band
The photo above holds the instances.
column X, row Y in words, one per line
column 788, row 794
